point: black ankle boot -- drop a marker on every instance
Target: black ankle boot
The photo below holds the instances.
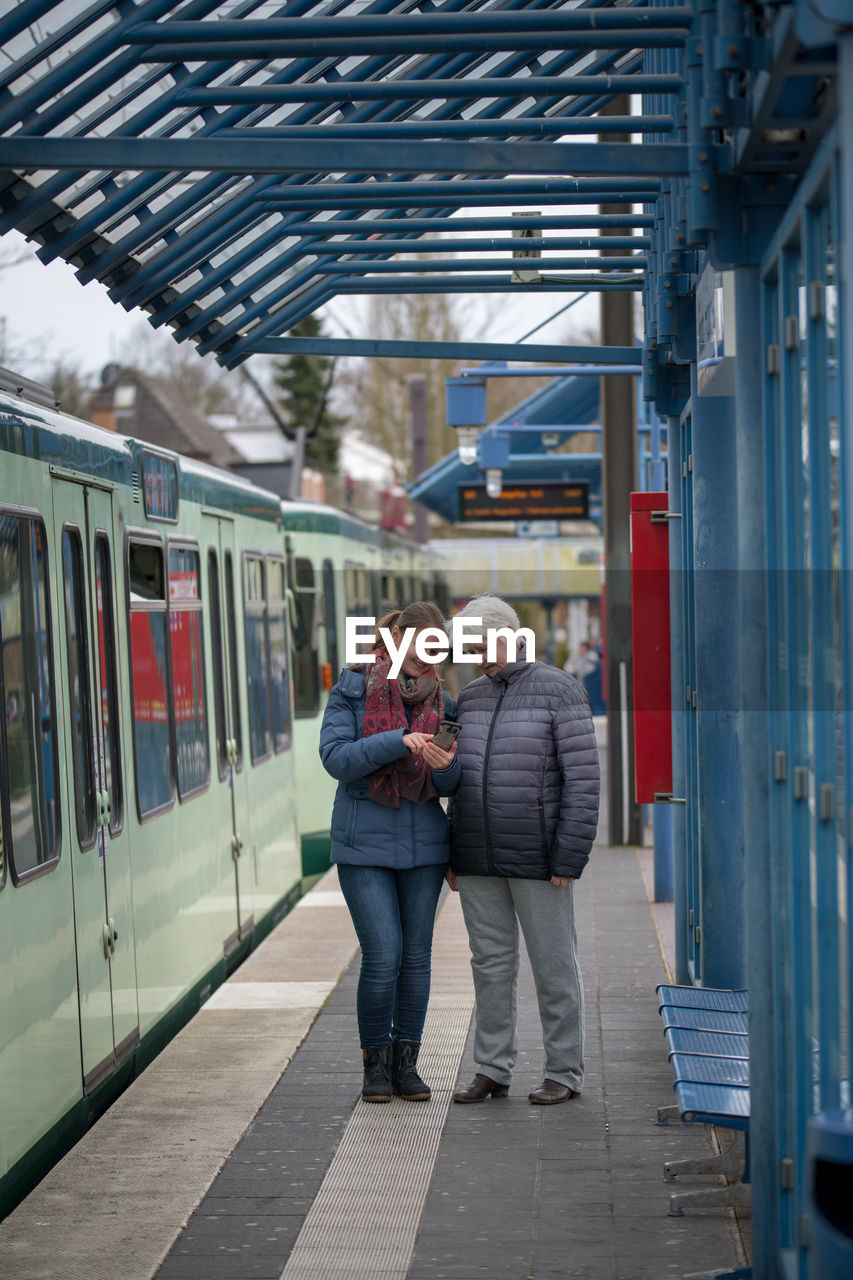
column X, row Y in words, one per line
column 377, row 1074
column 404, row 1078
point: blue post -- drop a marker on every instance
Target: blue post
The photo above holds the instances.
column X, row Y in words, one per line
column 661, row 813
column 718, row 687
column 679, row 715
column 759, row 867
column 664, row 871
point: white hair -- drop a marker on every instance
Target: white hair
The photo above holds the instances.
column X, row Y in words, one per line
column 495, row 612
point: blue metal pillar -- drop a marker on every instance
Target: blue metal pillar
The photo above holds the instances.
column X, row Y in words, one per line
column 759, row 868
column 661, row 813
column 662, row 828
column 679, row 715
column 718, row 689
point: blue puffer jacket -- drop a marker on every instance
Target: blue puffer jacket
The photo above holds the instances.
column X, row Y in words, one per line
column 363, row 832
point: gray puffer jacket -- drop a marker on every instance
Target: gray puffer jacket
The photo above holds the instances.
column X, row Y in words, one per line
column 527, row 801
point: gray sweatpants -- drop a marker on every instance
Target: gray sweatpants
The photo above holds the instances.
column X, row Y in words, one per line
column 493, row 908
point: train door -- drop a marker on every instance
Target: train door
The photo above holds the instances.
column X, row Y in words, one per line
column 100, row 856
column 223, row 585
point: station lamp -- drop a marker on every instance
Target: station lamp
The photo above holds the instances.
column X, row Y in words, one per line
column 493, row 456
column 466, row 411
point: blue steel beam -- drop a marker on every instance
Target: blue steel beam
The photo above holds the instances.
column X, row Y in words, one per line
column 364, row 266
column 411, row 26
column 267, row 155
column 26, row 14
column 213, row 46
column 525, row 222
column 624, row 357
column 423, row 90
column 462, row 128
column 474, row 245
column 83, row 90
column 484, row 284
column 209, row 238
column 201, row 287
column 165, row 260
column 191, row 327
column 459, row 194
column 24, row 113
column 596, row 370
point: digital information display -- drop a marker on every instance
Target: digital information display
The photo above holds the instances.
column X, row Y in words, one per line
column 526, row 502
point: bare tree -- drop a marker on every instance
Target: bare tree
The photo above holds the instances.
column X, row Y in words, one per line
column 203, row 382
column 377, row 389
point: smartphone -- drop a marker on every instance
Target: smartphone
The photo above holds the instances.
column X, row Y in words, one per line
column 446, row 734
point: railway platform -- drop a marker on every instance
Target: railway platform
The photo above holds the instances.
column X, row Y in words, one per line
column 245, row 1153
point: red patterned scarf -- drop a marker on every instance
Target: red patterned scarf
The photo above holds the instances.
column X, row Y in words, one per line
column 384, row 709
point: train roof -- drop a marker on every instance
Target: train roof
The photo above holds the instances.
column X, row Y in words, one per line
column 30, row 426
column 317, row 517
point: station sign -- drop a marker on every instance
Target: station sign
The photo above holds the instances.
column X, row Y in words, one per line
column 537, row 529
column 549, row 501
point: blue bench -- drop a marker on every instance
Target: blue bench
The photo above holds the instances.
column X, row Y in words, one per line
column 707, row 1039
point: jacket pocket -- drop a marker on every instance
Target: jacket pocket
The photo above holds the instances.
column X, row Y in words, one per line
column 353, row 820
column 542, row 827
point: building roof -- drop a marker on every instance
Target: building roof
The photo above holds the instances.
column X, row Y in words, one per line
column 147, row 408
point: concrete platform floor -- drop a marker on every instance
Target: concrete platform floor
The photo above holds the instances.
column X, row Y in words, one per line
column 509, row 1191
column 245, row 1152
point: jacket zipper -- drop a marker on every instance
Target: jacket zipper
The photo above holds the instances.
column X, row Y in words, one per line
column 485, row 781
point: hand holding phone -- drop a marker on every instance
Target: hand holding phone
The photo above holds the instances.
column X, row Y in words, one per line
column 446, row 734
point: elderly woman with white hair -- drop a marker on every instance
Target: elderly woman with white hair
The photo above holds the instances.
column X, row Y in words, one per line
column 524, row 817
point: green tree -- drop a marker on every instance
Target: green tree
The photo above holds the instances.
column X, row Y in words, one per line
column 303, row 384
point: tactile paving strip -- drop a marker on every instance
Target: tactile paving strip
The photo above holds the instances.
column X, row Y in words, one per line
column 363, row 1222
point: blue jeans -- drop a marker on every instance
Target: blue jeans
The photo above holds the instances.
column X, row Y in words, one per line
column 393, row 913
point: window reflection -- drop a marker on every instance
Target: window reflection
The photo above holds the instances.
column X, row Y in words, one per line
column 31, row 765
column 188, row 691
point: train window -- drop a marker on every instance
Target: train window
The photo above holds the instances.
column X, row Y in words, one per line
column 306, row 669
column 218, row 663
column 375, row 587
column 279, row 681
column 32, row 767
column 189, row 703
column 108, row 662
column 357, row 590
column 79, row 687
column 160, row 487
column 231, row 624
column 152, row 741
column 331, row 616
column 146, row 574
column 257, row 657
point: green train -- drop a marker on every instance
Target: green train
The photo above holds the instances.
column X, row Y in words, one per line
column 168, row 637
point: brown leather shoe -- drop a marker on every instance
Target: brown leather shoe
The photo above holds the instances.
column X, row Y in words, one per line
column 551, row 1091
column 479, row 1089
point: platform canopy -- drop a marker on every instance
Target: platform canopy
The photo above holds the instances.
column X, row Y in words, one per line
column 230, row 165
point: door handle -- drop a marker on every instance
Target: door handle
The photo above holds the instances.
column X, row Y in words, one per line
column 113, row 930
column 109, row 945
column 236, row 846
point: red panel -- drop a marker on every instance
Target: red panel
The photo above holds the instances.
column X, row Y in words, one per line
column 650, row 626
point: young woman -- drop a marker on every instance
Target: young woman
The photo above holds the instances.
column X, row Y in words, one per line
column 390, row 841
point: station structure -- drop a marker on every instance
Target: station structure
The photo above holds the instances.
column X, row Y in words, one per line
column 230, row 167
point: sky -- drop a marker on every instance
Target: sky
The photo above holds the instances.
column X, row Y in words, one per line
column 46, row 313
